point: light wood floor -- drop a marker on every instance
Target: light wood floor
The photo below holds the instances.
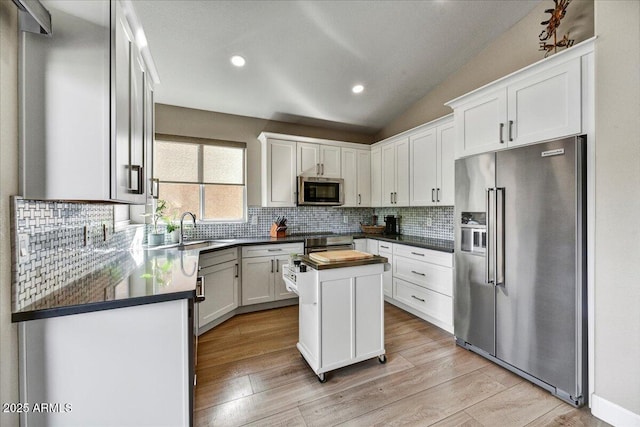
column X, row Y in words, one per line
column 250, row 373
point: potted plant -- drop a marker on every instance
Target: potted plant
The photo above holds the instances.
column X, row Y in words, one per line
column 173, row 229
column 157, row 238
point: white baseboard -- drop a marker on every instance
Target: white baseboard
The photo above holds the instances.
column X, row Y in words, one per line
column 613, row 414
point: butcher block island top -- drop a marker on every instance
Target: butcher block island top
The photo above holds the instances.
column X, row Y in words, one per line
column 341, row 259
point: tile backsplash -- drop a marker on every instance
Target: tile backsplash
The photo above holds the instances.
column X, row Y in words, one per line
column 50, row 250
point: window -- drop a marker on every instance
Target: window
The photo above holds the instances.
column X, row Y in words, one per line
column 203, row 176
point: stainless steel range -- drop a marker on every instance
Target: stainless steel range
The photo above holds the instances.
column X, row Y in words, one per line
column 327, row 243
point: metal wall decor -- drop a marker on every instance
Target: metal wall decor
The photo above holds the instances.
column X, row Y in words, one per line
column 552, row 24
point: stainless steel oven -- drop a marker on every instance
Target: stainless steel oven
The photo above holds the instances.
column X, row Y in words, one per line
column 327, row 243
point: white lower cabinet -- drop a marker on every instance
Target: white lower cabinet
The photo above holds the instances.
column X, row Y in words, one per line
column 422, row 283
column 220, row 271
column 262, row 272
column 76, row 362
column 385, row 250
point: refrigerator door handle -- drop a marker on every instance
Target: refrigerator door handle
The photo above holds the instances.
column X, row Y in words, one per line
column 489, row 277
column 499, row 235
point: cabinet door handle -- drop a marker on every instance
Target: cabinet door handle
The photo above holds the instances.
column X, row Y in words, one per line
column 139, row 170
column 501, row 128
column 321, row 168
column 510, row 130
column 359, row 199
column 437, row 194
column 433, row 197
column 272, row 266
column 277, row 266
column 237, row 270
column 417, row 253
column 418, row 273
column 155, row 188
column 419, row 299
column 317, row 168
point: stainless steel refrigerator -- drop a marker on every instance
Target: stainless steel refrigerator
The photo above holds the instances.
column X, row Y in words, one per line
column 520, row 292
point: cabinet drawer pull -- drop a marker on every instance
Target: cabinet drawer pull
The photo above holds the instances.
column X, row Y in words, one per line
column 417, row 253
column 419, row 299
column 418, row 273
column 510, row 130
column 384, row 247
column 274, row 250
column 501, row 128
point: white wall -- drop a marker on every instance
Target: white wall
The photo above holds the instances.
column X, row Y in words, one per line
column 8, row 186
column 617, row 240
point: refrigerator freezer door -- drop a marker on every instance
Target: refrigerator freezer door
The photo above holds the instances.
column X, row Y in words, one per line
column 474, row 297
column 537, row 306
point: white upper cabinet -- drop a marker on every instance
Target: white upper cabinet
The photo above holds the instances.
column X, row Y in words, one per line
column 376, row 176
column 278, row 173
column 318, row 160
column 84, row 118
column 395, row 173
column 432, row 164
column 364, row 177
column 539, row 103
column 356, row 172
column 481, row 124
column 423, row 148
column 446, row 164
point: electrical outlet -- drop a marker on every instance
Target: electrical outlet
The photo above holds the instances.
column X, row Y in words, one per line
column 345, row 219
column 428, row 222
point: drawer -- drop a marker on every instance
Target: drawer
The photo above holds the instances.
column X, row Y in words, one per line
column 272, row 249
column 385, row 247
column 428, row 302
column 217, row 257
column 444, row 259
column 431, row 276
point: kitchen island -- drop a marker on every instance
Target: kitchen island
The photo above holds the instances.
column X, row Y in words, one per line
column 341, row 311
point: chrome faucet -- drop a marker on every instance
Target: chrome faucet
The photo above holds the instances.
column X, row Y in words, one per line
column 181, row 243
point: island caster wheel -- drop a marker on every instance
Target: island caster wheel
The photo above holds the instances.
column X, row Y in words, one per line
column 382, row 359
column 322, row 378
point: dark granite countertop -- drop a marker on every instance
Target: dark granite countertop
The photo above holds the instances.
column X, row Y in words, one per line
column 146, row 276
column 420, row 242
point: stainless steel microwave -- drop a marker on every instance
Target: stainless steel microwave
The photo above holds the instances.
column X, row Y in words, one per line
column 320, row 191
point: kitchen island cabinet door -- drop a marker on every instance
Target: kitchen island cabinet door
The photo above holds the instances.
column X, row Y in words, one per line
column 258, row 280
column 128, row 366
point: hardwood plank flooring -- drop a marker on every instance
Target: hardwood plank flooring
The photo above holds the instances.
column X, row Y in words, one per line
column 250, row 373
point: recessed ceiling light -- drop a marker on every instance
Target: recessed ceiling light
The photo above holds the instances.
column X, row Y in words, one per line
column 238, row 61
column 357, row 89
